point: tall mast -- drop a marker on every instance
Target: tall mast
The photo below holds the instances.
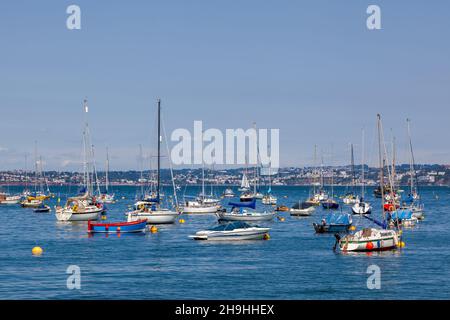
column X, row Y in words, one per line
column 315, row 169
column 254, row 169
column 35, row 167
column 159, row 150
column 353, row 169
column 141, row 165
column 411, row 159
column 107, row 171
column 381, row 163
column 362, row 165
column 393, row 163
column 26, row 173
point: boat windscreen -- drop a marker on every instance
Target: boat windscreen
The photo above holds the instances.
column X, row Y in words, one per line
column 231, row 226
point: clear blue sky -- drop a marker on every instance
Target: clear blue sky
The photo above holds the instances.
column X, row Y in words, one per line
column 310, row 68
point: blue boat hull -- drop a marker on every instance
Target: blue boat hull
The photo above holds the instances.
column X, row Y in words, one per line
column 118, row 227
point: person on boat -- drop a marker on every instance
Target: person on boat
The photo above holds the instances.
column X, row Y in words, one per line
column 324, row 222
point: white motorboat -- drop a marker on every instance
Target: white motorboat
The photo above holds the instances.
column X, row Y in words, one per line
column 350, row 199
column 153, row 215
column 269, row 199
column 228, row 193
column 369, row 239
column 31, row 203
column 361, row 207
column 302, row 209
column 198, row 206
column 238, row 213
column 107, row 198
column 232, row 231
column 82, row 208
column 9, row 200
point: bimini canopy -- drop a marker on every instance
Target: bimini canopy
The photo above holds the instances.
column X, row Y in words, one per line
column 339, row 218
column 251, row 204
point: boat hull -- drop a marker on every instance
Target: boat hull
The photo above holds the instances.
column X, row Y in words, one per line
column 68, row 215
column 330, row 205
column 250, row 234
column 302, row 212
column 384, row 240
column 200, row 210
column 121, row 227
column 155, row 217
column 331, row 228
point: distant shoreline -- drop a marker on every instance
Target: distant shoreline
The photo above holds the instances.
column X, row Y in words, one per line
column 404, row 186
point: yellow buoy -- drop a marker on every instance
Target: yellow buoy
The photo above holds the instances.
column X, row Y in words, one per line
column 103, row 217
column 352, row 228
column 401, row 244
column 153, row 229
column 266, row 236
column 281, row 219
column 400, row 232
column 181, row 221
column 37, row 251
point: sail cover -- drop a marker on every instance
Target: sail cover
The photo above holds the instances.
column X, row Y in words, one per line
column 251, row 204
column 337, row 218
column 401, row 214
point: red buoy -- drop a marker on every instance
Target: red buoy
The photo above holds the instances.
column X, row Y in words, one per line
column 369, row 246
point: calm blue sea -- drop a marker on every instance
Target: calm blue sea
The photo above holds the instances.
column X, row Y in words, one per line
column 294, row 264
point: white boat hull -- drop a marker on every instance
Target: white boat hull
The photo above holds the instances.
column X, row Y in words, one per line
column 302, row 212
column 381, row 240
column 232, row 235
column 154, row 217
column 69, row 215
column 200, row 210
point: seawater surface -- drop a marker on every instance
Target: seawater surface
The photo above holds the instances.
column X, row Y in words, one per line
column 294, row 264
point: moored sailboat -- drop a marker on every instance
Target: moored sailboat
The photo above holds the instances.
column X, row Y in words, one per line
column 154, row 213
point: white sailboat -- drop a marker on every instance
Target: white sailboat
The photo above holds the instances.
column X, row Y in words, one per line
column 351, row 197
column 153, row 212
column 105, row 196
column 202, row 203
column 84, row 207
column 415, row 205
column 372, row 239
column 362, row 206
column 245, row 184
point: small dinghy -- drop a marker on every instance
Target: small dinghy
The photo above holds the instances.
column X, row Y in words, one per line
column 302, row 209
column 335, row 223
column 117, row 227
column 232, row 231
column 42, row 208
